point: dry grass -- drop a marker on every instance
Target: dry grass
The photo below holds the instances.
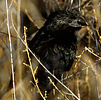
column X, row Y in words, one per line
column 17, row 69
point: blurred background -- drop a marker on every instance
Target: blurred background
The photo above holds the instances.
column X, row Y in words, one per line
column 84, row 77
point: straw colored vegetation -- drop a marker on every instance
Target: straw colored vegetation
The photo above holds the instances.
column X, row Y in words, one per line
column 17, row 68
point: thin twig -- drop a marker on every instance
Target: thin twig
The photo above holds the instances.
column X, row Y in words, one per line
column 46, row 7
column 4, row 42
column 78, row 88
column 8, row 35
column 70, row 4
column 64, row 4
column 79, row 4
column 57, row 3
column 57, row 88
column 81, row 69
column 30, row 64
column 26, row 14
column 11, row 54
column 86, row 3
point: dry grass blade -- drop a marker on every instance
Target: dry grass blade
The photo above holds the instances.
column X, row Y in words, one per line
column 82, row 82
column 10, row 49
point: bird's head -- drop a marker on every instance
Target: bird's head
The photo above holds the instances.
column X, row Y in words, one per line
column 75, row 19
column 65, row 20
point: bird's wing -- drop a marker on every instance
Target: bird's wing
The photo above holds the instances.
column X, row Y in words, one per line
column 40, row 40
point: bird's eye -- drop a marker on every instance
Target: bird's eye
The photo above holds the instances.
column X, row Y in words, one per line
column 69, row 21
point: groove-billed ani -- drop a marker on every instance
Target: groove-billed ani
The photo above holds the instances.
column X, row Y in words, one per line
column 55, row 44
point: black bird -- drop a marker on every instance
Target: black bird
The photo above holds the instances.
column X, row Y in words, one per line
column 55, row 43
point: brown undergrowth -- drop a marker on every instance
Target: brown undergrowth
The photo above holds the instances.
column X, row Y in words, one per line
column 83, row 80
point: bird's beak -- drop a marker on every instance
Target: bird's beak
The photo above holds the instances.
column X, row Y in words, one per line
column 84, row 24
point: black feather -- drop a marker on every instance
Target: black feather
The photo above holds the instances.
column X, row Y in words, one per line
column 55, row 44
